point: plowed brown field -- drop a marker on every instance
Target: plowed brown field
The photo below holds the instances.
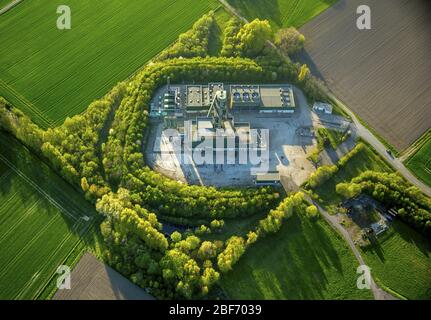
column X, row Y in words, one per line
column 382, row 74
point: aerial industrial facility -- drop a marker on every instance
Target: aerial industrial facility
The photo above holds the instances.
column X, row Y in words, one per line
column 208, row 111
column 183, row 100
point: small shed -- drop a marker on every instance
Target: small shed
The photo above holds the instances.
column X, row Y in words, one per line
column 379, row 227
column 322, row 107
column 267, row 179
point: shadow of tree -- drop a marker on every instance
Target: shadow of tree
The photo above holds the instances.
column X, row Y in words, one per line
column 297, row 266
column 264, row 9
column 29, row 179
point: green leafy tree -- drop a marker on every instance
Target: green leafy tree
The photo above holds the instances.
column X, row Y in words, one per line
column 312, row 212
column 289, row 40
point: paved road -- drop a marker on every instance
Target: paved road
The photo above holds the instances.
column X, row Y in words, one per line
column 362, row 131
column 365, row 134
column 378, row 293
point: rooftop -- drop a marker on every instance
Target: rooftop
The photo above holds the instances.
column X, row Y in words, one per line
column 277, row 97
column 247, row 94
column 194, row 96
column 321, row 106
column 269, row 176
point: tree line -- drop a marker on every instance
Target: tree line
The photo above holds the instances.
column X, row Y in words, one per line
column 324, row 173
column 193, row 43
column 393, row 191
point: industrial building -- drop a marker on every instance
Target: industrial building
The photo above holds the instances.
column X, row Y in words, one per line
column 196, row 99
column 268, row 179
column 322, row 107
column 262, row 98
column 199, row 98
column 220, row 126
column 199, row 111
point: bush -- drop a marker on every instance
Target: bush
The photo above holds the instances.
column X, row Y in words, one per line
column 193, row 43
column 394, row 192
column 321, row 175
column 249, row 40
column 312, row 212
column 289, row 40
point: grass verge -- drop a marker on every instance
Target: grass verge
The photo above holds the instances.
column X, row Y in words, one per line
column 304, row 260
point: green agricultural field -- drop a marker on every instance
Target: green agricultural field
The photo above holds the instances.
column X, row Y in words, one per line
column 420, row 162
column 52, row 74
column 41, row 222
column 282, row 13
column 401, row 261
column 3, row 3
column 365, row 160
column 307, row 260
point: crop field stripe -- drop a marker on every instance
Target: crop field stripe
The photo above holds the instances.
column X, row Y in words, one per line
column 46, row 266
column 85, row 230
column 29, row 211
column 47, row 259
column 64, row 71
column 37, row 188
column 9, row 200
column 4, row 221
column 34, row 239
column 41, row 231
column 282, row 13
column 35, row 234
column 20, row 295
column 20, row 98
column 420, row 162
column 78, row 229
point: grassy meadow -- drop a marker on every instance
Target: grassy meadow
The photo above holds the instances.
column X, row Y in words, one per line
column 401, row 261
column 52, row 74
column 306, row 260
column 215, row 42
column 365, row 160
column 420, row 162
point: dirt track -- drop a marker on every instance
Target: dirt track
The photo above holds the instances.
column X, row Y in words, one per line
column 378, row 293
column 383, row 74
